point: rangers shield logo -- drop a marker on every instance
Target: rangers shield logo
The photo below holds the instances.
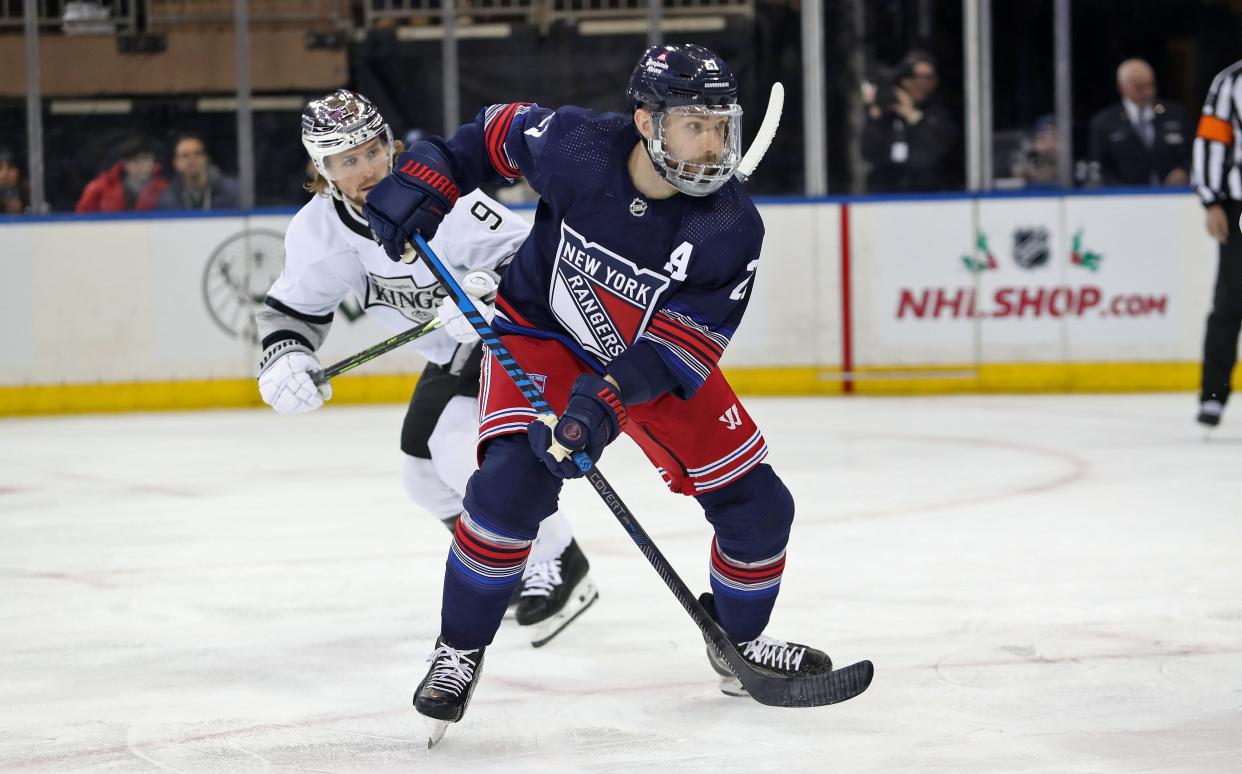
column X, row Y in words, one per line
column 602, row 299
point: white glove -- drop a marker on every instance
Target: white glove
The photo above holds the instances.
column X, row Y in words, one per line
column 481, row 287
column 286, row 384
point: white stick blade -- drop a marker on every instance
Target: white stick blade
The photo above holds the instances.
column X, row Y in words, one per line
column 767, row 131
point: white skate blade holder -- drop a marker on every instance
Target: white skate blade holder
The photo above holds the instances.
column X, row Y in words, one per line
column 583, row 596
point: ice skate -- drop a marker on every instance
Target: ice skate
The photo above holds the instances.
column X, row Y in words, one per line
column 1209, row 413
column 445, row 692
column 554, row 593
column 766, row 653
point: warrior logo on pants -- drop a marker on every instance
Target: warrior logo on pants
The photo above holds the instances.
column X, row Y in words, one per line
column 603, row 300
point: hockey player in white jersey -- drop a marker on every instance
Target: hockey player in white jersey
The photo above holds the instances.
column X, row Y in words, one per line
column 330, row 252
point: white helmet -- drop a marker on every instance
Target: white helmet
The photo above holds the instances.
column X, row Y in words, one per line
column 338, row 122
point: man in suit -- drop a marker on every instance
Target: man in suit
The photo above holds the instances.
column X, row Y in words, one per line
column 1143, row 140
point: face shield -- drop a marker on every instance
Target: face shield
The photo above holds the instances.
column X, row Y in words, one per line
column 334, row 172
column 696, row 148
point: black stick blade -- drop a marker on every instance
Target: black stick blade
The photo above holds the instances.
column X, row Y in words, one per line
column 812, row 691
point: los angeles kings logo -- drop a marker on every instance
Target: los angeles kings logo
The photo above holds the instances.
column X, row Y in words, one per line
column 415, row 302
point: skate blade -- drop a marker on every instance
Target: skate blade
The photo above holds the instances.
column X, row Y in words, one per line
column 583, row 597
column 436, row 731
column 731, row 686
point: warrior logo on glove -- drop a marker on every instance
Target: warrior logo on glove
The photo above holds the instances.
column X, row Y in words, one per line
column 412, row 200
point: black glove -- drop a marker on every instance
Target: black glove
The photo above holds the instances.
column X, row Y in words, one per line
column 594, row 417
column 412, row 200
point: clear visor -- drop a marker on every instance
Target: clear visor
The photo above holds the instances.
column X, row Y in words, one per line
column 355, row 159
column 697, row 148
column 350, row 162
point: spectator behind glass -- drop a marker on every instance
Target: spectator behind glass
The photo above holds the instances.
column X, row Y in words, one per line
column 1036, row 161
column 909, row 140
column 133, row 183
column 198, row 184
column 13, row 196
column 1142, row 140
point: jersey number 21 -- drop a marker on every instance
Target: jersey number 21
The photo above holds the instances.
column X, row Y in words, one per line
column 679, row 263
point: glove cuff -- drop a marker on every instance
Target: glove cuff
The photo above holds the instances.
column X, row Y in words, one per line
column 281, row 347
column 641, row 374
column 608, row 396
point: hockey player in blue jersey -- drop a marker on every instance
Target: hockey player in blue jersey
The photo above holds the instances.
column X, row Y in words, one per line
column 619, row 305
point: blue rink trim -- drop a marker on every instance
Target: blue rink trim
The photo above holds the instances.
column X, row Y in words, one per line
column 950, row 196
column 87, row 217
column 73, row 217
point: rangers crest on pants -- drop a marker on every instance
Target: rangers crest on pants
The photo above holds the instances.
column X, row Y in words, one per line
column 603, row 300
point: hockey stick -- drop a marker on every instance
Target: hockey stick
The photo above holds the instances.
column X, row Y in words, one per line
column 764, row 686
column 763, row 138
column 370, row 353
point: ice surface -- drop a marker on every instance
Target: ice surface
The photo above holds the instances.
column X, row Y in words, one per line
column 1045, row 584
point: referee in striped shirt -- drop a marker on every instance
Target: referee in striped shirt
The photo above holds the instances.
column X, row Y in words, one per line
column 1217, row 176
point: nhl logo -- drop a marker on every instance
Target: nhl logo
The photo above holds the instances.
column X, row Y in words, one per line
column 1030, row 247
column 638, row 207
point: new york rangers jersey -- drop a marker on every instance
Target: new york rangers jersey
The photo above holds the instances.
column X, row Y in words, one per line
column 330, row 253
column 606, row 269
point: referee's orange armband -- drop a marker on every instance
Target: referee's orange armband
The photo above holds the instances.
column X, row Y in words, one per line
column 1215, row 129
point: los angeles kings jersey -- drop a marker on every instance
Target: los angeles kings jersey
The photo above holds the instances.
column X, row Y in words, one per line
column 605, row 268
column 330, row 253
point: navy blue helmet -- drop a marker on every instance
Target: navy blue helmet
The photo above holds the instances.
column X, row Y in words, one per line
column 686, row 74
column 695, row 141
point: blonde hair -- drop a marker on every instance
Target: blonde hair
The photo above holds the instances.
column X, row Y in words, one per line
column 319, row 186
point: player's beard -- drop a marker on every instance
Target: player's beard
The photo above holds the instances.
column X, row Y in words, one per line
column 359, row 202
column 709, row 163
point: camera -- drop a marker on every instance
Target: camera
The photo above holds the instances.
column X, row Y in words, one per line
column 886, row 81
